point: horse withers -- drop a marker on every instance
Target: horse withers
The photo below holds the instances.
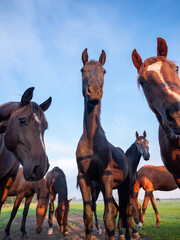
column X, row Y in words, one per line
column 160, row 82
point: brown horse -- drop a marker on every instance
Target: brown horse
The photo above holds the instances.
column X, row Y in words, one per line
column 26, row 189
column 95, row 155
column 140, row 148
column 24, row 124
column 161, row 85
column 56, row 183
column 150, row 178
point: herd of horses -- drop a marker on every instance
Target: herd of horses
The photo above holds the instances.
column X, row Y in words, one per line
column 101, row 166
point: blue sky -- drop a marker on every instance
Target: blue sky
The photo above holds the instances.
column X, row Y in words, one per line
column 41, row 43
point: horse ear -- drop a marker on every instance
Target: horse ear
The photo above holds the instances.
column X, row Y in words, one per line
column 85, row 56
column 144, row 134
column 102, row 58
column 45, row 105
column 162, row 48
column 137, row 134
column 27, row 96
column 137, row 61
column 70, row 200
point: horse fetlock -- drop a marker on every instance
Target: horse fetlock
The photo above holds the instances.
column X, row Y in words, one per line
column 50, row 231
column 99, row 231
column 122, row 237
column 8, row 237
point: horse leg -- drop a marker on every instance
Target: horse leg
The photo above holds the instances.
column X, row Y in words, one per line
column 51, row 211
column 158, row 220
column 4, row 189
column 13, row 214
column 144, row 207
column 95, row 190
column 109, row 218
column 87, row 214
column 25, row 212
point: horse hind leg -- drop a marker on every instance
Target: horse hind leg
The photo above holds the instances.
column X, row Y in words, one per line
column 158, row 220
column 25, row 212
column 51, row 211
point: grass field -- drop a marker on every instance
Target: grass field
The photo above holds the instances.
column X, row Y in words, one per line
column 169, row 212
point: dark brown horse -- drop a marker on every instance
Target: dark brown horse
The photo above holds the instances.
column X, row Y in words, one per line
column 24, row 124
column 161, row 85
column 151, row 178
column 56, row 183
column 26, row 189
column 140, row 148
column 95, row 155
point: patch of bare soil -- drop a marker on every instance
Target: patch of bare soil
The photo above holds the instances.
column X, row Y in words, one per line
column 75, row 225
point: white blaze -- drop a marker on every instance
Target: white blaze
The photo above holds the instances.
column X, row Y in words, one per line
column 40, row 136
column 156, row 67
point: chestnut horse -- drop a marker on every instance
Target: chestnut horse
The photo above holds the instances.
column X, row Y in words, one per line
column 26, row 189
column 160, row 82
column 95, row 155
column 56, row 184
column 150, row 178
column 24, row 124
column 140, row 148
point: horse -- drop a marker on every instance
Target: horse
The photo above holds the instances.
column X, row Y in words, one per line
column 151, row 178
column 22, row 126
column 140, row 148
column 56, row 184
column 95, row 156
column 159, row 80
column 26, row 189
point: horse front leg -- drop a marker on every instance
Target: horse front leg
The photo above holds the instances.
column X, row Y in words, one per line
column 51, row 211
column 109, row 218
column 25, row 212
column 158, row 220
column 13, row 214
column 87, row 211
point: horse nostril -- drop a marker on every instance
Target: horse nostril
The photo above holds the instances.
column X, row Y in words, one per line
column 169, row 117
column 88, row 89
column 35, row 171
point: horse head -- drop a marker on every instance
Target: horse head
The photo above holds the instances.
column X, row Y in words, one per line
column 143, row 145
column 93, row 78
column 24, row 125
column 160, row 82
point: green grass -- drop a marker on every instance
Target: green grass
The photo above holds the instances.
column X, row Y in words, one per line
column 169, row 212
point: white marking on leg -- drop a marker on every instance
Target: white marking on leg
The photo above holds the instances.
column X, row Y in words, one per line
column 50, row 231
column 156, row 67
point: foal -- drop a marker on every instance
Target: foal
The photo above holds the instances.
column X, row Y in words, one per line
column 94, row 154
column 56, row 184
column 150, row 178
column 160, row 82
column 25, row 189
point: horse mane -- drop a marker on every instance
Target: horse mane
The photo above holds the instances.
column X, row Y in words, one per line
column 131, row 150
column 148, row 62
column 57, row 169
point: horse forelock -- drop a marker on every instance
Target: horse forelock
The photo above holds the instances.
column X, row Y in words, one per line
column 30, row 109
column 148, row 62
column 93, row 62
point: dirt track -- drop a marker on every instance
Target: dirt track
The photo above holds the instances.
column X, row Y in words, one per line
column 76, row 230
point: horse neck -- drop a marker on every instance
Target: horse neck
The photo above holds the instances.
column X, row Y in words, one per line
column 1, row 142
column 134, row 156
column 91, row 120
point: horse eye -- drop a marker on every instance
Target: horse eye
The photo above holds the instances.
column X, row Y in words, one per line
column 82, row 70
column 141, row 82
column 22, row 121
column 177, row 69
column 104, row 71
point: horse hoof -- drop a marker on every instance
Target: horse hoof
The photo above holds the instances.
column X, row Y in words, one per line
column 24, row 236
column 99, row 231
column 156, row 226
column 136, row 235
column 139, row 226
column 122, row 237
column 50, row 231
column 66, row 234
column 8, row 237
